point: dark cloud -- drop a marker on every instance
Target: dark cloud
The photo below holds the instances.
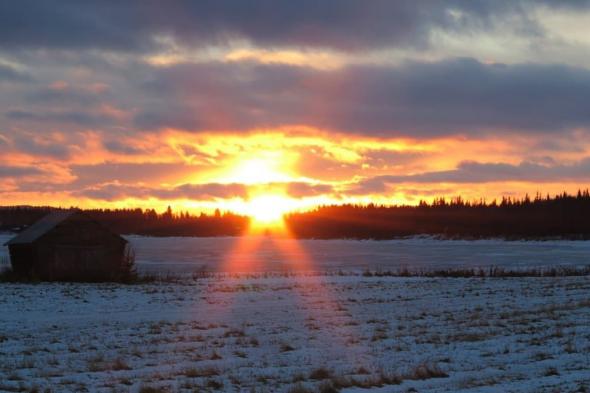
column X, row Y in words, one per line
column 413, row 99
column 567, row 143
column 78, row 118
column 301, row 189
column 208, row 191
column 119, row 147
column 295, row 189
column 475, row 172
column 168, row 116
column 18, row 171
column 201, row 192
column 28, row 144
column 342, row 24
column 66, row 96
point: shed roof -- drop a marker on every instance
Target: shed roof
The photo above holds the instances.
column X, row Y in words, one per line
column 41, row 227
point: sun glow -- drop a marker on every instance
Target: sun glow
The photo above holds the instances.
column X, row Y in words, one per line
column 268, row 210
column 259, row 171
column 266, row 177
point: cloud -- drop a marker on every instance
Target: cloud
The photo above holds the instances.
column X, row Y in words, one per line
column 341, row 24
column 476, row 172
column 118, row 147
column 207, row 191
column 18, row 171
column 8, row 73
column 125, row 173
column 384, row 158
column 64, row 96
column 172, row 115
column 201, row 192
column 78, row 118
column 301, row 189
column 318, row 163
column 457, row 96
column 27, row 143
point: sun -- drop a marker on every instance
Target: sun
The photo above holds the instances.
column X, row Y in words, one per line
column 268, row 210
column 266, row 177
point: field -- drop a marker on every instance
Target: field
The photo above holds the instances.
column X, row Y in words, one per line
column 298, row 333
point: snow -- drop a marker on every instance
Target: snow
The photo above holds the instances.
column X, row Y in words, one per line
column 186, row 254
column 282, row 326
column 270, row 332
column 183, row 254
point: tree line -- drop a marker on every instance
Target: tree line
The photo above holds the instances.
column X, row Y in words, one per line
column 563, row 216
column 560, row 216
column 138, row 221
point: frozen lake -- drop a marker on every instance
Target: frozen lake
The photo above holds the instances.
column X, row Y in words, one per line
column 183, row 254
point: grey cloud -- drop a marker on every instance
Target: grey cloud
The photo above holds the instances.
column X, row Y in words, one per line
column 174, row 116
column 342, row 24
column 118, row 147
column 418, row 99
column 296, row 189
column 372, row 185
column 301, row 189
column 79, row 118
column 66, row 96
column 208, row 191
column 475, row 172
column 458, row 96
column 18, row 171
column 28, row 144
column 8, row 73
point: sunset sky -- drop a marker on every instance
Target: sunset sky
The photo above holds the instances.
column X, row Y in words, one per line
column 246, row 104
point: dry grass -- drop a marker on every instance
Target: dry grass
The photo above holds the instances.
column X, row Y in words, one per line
column 201, row 372
column 493, row 271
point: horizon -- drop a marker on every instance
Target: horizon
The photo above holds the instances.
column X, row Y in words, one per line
column 151, row 105
column 531, row 217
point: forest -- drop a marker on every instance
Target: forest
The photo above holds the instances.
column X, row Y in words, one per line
column 561, row 216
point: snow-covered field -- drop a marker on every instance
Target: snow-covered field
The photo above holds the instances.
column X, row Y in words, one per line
column 282, row 333
column 281, row 328
column 185, row 254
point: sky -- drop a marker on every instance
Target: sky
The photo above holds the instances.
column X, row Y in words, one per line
column 241, row 105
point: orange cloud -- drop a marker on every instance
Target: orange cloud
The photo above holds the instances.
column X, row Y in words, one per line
column 302, row 166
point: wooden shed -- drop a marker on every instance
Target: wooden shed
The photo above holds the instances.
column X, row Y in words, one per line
column 68, row 245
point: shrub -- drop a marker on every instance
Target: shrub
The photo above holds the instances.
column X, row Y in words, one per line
column 201, row 372
column 120, row 364
column 127, row 268
column 320, row 373
column 426, row 371
column 286, row 348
